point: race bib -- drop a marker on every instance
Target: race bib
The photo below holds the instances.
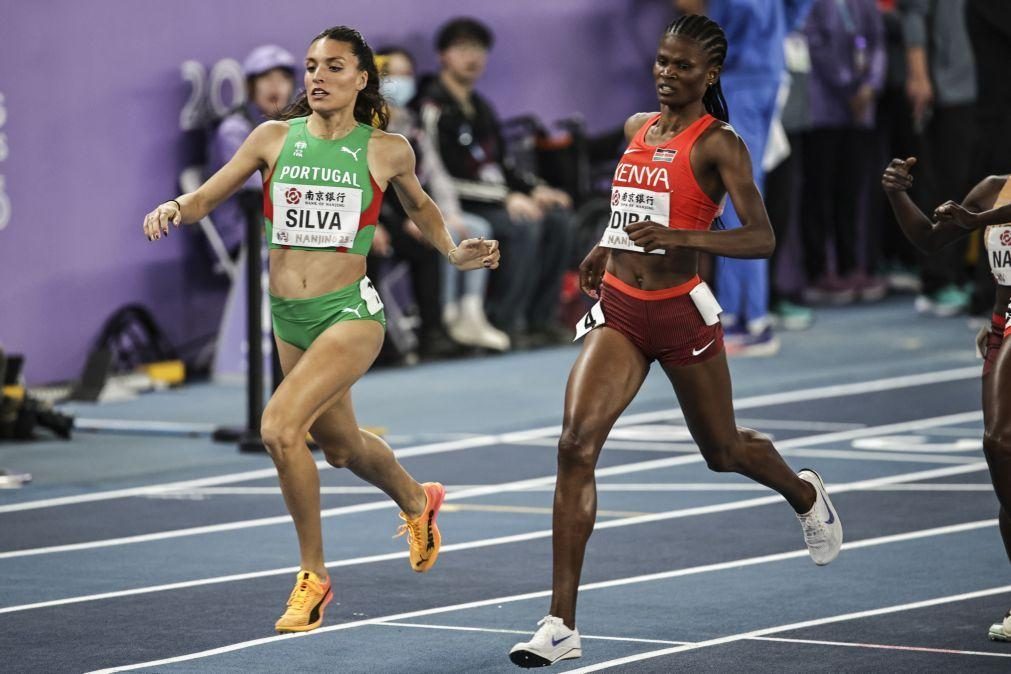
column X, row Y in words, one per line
column 315, row 217
column 368, row 292
column 632, row 204
column 593, row 318
column 998, row 249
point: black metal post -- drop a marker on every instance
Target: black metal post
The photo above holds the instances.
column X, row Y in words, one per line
column 249, row 440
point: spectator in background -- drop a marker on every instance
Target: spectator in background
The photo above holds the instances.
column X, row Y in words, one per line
column 896, row 137
column 989, row 26
column 784, row 185
column 751, row 76
column 846, row 42
column 436, row 287
column 270, row 85
column 941, row 86
column 530, row 219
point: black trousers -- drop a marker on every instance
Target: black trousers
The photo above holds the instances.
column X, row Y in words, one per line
column 783, row 189
column 991, row 46
column 835, row 170
column 946, row 174
column 423, row 261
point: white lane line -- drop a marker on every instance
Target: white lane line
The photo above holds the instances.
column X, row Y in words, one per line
column 493, row 489
column 796, row 424
column 799, row 395
column 617, row 582
column 857, row 615
column 920, row 649
column 895, row 457
column 457, row 628
column 943, row 486
column 601, row 487
column 513, row 538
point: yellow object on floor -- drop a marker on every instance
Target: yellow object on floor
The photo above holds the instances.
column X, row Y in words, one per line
column 171, row 372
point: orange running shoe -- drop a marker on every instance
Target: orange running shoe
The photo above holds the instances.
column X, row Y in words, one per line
column 423, row 536
column 306, row 604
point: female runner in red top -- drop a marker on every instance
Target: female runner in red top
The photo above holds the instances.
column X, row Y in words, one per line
column 987, row 207
column 679, row 165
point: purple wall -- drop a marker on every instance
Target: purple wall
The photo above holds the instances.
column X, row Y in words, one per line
column 93, row 93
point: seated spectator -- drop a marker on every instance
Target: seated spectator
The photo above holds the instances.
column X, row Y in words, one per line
column 461, row 309
column 270, row 85
column 530, row 219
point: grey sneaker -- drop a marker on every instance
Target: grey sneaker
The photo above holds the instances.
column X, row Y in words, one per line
column 822, row 528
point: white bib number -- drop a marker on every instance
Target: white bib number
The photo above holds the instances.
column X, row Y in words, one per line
column 630, row 205
column 311, row 216
column 368, row 292
column 593, row 318
column 998, row 250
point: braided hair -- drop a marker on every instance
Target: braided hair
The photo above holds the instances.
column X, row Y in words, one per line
column 370, row 107
column 713, row 41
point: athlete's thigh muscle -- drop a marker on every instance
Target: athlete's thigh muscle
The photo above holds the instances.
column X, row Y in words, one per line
column 315, row 378
column 603, row 381
column 706, row 397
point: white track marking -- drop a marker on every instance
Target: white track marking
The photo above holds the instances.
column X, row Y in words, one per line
column 897, row 608
column 385, row 504
column 888, row 647
column 799, row 395
column 519, row 485
column 457, row 628
column 618, row 582
column 529, row 536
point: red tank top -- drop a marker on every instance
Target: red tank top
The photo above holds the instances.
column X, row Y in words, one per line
column 656, row 182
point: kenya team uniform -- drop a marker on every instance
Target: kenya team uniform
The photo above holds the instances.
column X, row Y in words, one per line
column 998, row 250
column 656, row 183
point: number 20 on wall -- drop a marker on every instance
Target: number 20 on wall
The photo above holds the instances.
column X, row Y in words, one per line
column 207, row 97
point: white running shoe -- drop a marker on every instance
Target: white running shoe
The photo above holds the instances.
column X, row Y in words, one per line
column 822, row 528
column 1001, row 631
column 553, row 641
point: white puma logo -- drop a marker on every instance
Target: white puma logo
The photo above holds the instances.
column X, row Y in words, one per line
column 356, row 310
column 353, row 153
column 696, row 352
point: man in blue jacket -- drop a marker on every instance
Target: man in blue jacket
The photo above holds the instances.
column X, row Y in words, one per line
column 751, row 76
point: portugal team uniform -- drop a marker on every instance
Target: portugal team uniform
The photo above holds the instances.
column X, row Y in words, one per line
column 321, row 196
column 656, row 183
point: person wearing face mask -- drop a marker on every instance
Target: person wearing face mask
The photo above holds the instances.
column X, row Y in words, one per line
column 270, row 85
column 531, row 219
column 459, row 307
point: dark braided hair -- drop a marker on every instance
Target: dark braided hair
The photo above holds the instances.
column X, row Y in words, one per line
column 713, row 41
column 370, row 107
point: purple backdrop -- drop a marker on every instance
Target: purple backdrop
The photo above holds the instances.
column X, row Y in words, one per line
column 93, row 93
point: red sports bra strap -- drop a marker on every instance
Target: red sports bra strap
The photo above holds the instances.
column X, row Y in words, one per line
column 697, row 128
column 640, row 135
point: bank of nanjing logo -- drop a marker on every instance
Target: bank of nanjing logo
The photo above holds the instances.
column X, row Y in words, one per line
column 1005, row 237
column 299, row 147
column 292, row 196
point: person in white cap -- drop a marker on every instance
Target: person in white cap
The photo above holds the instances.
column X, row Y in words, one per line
column 270, row 85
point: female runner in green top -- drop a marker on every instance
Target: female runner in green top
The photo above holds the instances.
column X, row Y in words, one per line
column 326, row 169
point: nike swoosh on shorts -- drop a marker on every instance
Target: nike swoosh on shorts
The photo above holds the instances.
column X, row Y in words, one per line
column 696, row 352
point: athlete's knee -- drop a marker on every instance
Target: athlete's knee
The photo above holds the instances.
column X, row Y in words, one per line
column 997, row 445
column 281, row 437
column 339, row 449
column 734, row 454
column 576, row 451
